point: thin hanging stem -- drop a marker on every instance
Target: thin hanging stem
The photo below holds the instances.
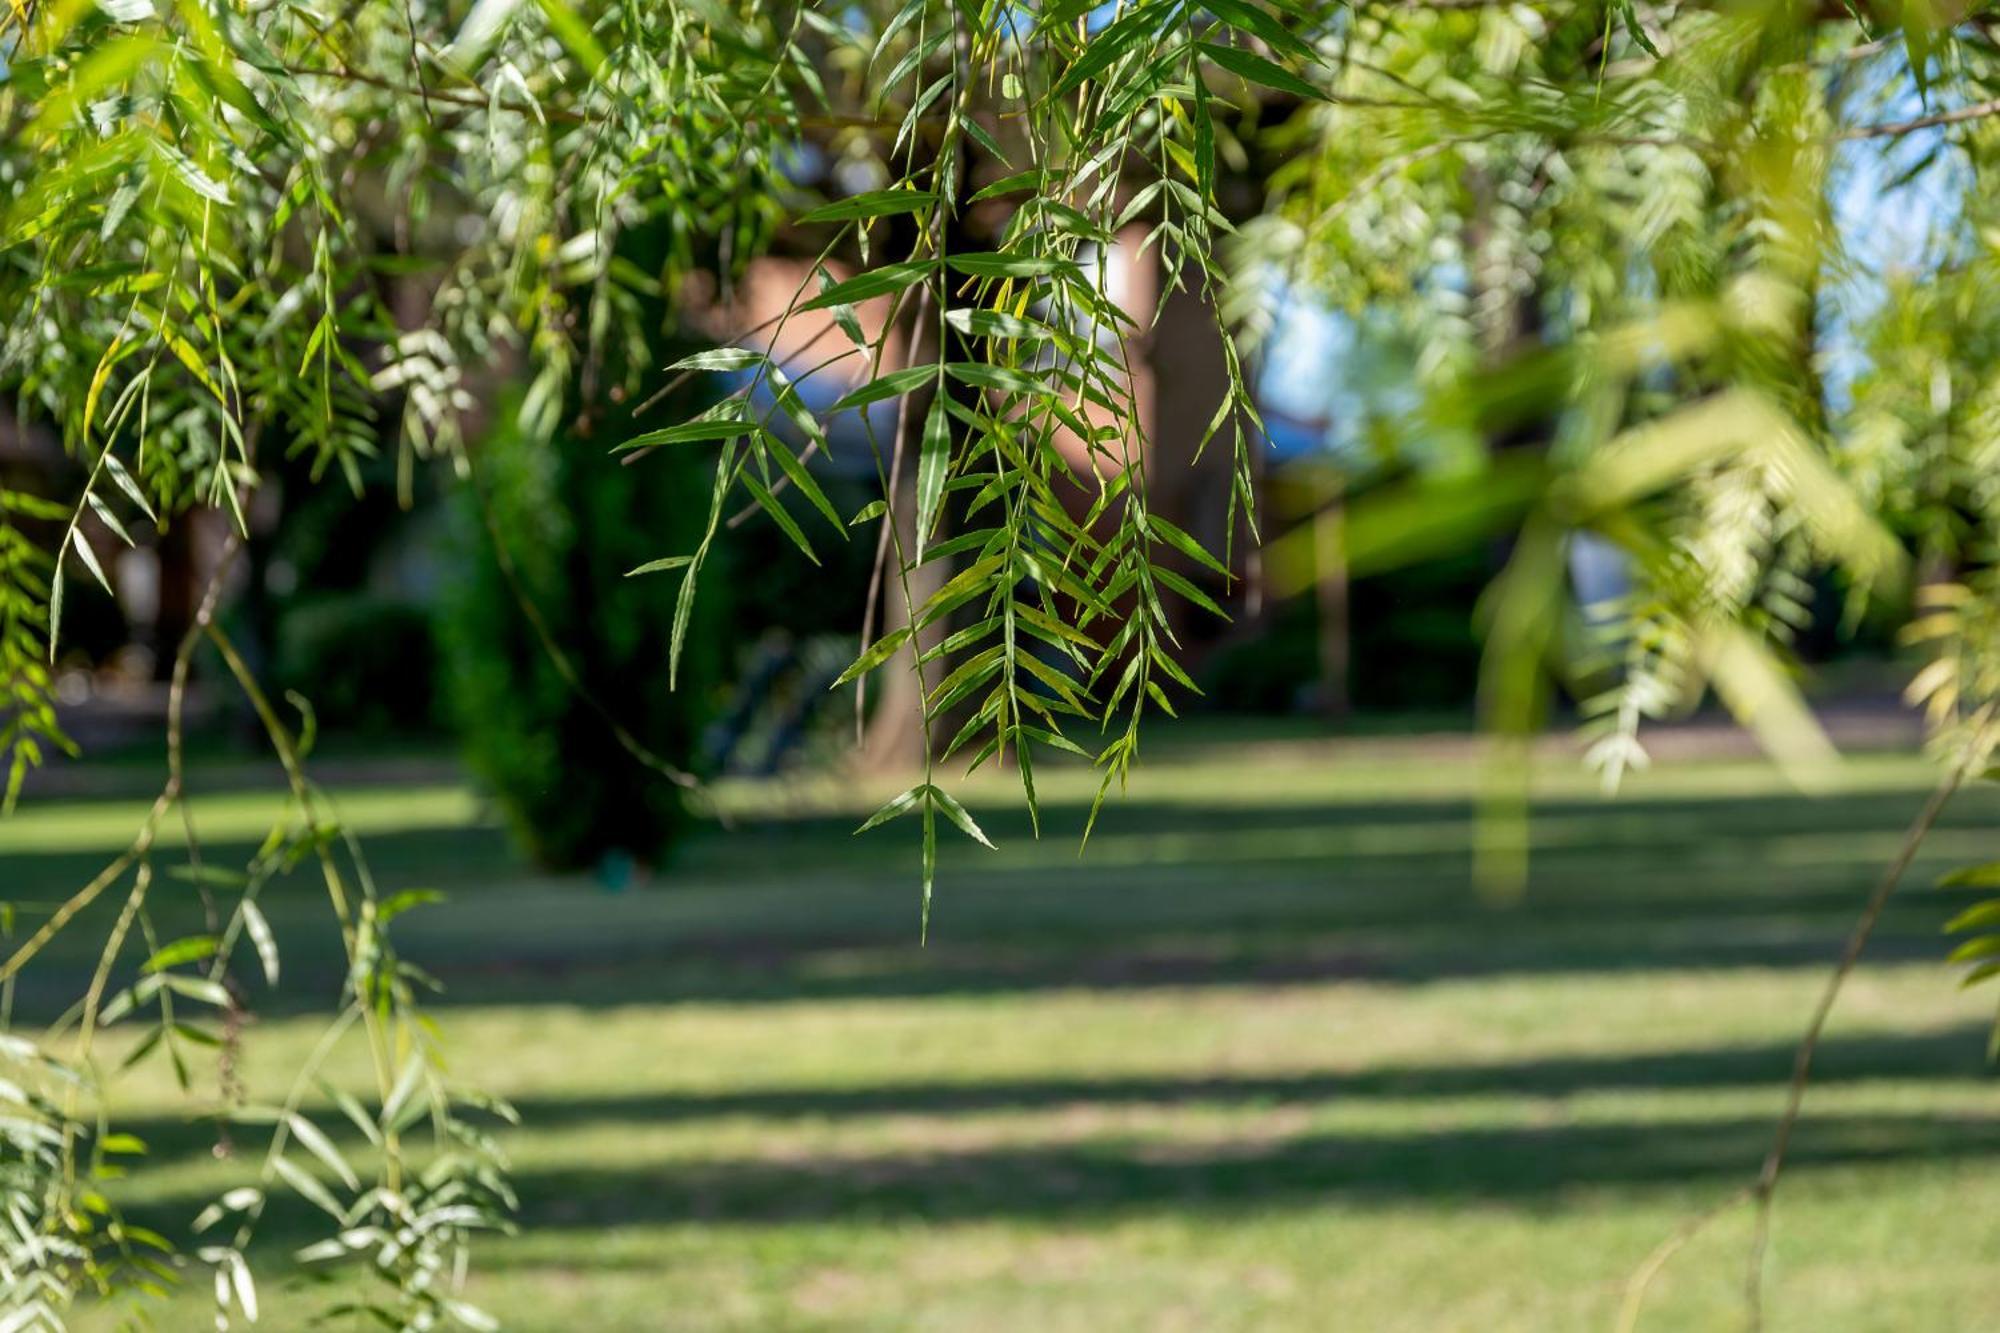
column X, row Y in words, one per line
column 1970, row 758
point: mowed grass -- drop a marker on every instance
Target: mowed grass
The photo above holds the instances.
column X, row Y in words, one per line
column 1260, row 1058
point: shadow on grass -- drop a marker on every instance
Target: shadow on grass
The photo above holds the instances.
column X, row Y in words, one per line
column 1526, row 1166
column 1529, row 1166
column 1171, row 895
column 1955, row 1054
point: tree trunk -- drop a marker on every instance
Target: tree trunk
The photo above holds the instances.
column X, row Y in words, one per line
column 1335, row 641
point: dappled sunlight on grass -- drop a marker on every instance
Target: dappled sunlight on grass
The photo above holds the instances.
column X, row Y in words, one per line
column 230, row 817
column 1259, row 1054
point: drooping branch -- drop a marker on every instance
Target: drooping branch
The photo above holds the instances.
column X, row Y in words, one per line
column 1896, row 128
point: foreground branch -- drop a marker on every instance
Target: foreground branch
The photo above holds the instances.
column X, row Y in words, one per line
column 170, row 792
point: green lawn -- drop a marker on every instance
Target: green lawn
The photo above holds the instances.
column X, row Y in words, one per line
column 1259, row 1059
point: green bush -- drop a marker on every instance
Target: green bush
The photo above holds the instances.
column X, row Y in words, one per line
column 574, row 522
column 366, row 661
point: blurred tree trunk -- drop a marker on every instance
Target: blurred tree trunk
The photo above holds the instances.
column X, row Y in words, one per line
column 892, row 738
column 1330, row 570
column 173, row 613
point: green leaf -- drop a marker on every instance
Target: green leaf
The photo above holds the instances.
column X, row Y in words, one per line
column 657, row 566
column 1630, row 14
column 876, row 282
column 974, row 673
column 1000, row 379
column 1245, row 16
column 914, row 58
column 720, row 358
column 402, row 1103
column 979, row 539
column 186, row 950
column 196, row 988
column 1019, row 182
column 981, row 719
column 930, row 863
column 895, row 807
column 689, row 432
column 1984, row 972
column 260, row 936
column 1183, row 543
column 190, row 175
column 125, row 483
column 1976, row 917
column 1985, row 876
column 980, row 135
column 803, row 480
column 770, row 504
column 355, row 1113
column 319, row 1145
column 983, row 323
column 1128, row 34
column 969, row 581
column 472, row 1317
column 894, row 384
column 1054, row 740
column 207, row 873
column 1976, row 949
column 933, row 464
column 995, row 264
column 106, row 67
column 571, row 30
column 902, row 19
column 95, row 503
column 1256, row 69
column 874, row 655
column 872, row 204
column 1064, row 687
column 307, row 1186
column 956, row 813
column 1189, row 591
column 83, row 550
column 55, row 612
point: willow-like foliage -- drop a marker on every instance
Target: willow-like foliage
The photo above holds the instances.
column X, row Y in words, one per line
column 1638, row 251
column 1611, row 235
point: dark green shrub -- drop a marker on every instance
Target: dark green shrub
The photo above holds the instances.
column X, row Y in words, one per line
column 366, row 661
column 574, row 522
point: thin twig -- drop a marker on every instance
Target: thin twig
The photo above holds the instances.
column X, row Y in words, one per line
column 1759, row 1193
column 1642, row 1277
column 352, row 921
column 1890, row 129
column 1857, row 939
column 170, row 791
